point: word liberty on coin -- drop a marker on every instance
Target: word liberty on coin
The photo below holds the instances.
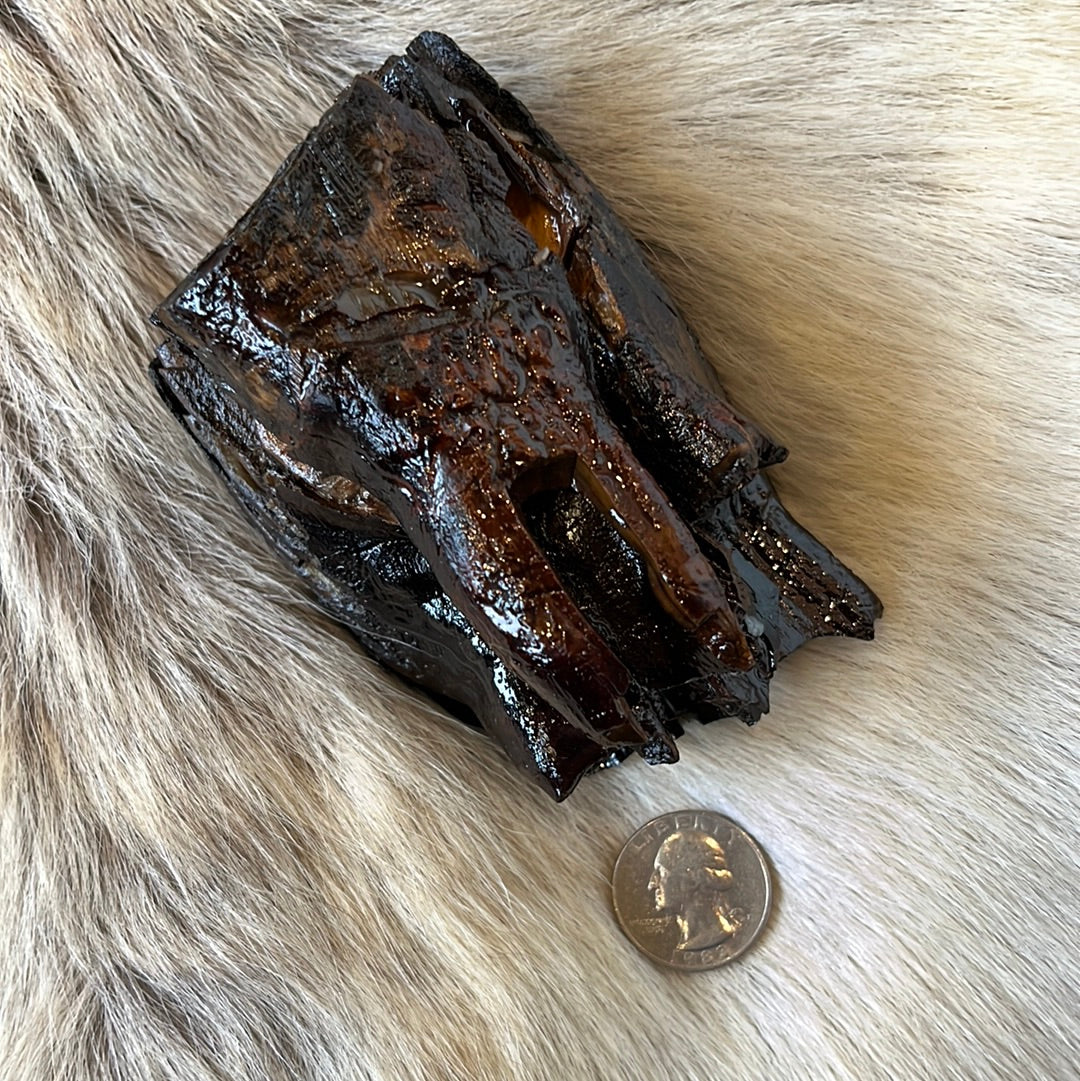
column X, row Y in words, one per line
column 691, row 889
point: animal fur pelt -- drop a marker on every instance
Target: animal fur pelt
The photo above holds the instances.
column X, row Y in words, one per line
column 231, row 847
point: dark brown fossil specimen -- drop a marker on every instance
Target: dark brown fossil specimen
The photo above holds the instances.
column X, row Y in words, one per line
column 433, row 366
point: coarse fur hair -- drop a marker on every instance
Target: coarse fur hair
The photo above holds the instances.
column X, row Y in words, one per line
column 232, row 847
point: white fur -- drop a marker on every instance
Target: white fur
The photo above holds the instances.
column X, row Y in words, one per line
column 230, row 847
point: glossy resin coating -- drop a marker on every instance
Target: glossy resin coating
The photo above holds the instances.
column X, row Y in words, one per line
column 435, row 369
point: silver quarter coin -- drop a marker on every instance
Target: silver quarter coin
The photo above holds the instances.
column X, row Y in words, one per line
column 692, row 890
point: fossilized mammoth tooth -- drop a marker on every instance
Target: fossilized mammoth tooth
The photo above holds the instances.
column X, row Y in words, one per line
column 435, row 369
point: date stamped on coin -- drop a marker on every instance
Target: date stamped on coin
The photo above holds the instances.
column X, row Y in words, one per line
column 692, row 890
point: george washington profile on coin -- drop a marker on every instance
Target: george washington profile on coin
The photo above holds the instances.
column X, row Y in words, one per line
column 690, row 877
column 691, row 889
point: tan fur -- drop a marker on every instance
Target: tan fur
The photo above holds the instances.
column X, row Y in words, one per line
column 230, row 847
